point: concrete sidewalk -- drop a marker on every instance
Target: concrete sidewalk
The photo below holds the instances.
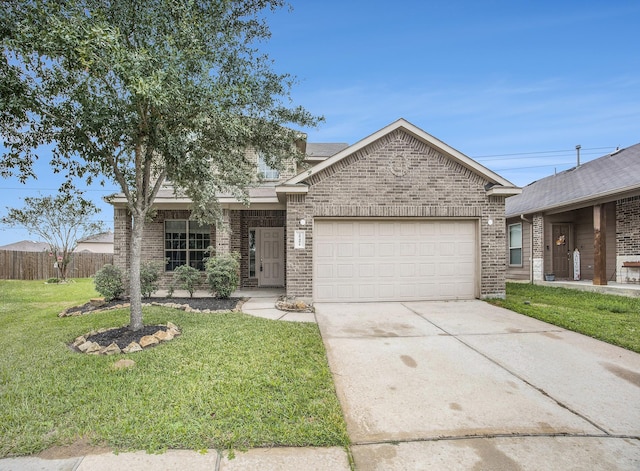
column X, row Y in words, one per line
column 285, row 459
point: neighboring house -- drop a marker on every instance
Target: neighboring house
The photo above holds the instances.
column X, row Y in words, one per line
column 594, row 208
column 99, row 243
column 26, row 246
column 399, row 215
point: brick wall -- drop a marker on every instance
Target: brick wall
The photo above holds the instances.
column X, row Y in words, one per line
column 152, row 240
column 628, row 239
column 538, row 246
column 628, row 226
column 121, row 238
column 397, row 176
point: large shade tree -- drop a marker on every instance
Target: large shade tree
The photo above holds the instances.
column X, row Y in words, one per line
column 139, row 91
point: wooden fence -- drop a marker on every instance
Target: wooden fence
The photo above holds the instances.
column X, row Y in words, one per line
column 15, row 265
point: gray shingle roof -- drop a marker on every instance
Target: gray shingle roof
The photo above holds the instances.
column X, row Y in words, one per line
column 618, row 172
column 324, row 149
column 103, row 237
column 26, row 246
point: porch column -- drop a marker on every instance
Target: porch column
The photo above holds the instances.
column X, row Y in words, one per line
column 599, row 245
column 223, row 236
column 537, row 242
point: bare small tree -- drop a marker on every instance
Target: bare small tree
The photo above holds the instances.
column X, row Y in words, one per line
column 61, row 221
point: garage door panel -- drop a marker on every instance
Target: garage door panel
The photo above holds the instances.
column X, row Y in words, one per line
column 426, row 270
column 367, row 229
column 408, row 249
column 345, row 229
column 324, row 271
column 389, row 260
column 367, row 249
column 346, row 271
column 367, row 270
column 324, row 250
column 407, row 270
column 385, row 249
column 386, row 270
column 386, row 229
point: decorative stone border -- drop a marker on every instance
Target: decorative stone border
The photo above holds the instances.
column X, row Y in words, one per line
column 291, row 304
column 93, row 348
column 71, row 312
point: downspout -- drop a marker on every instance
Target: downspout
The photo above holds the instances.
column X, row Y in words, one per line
column 530, row 247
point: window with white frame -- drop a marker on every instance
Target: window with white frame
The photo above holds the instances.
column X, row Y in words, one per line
column 185, row 243
column 515, row 244
column 265, row 171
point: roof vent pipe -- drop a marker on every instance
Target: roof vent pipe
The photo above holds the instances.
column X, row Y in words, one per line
column 578, row 155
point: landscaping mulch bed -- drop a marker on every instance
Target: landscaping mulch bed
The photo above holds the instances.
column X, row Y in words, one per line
column 123, row 336
column 199, row 304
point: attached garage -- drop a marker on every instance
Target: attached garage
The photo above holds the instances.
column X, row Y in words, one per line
column 398, row 216
column 368, row 260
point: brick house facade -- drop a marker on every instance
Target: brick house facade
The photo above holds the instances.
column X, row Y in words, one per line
column 401, row 204
column 562, row 212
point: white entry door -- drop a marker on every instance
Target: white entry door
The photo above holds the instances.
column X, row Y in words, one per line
column 270, row 256
column 394, row 260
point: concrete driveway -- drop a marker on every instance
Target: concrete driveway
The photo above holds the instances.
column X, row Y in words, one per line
column 467, row 385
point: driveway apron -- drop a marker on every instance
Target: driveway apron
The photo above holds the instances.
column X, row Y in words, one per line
column 430, row 384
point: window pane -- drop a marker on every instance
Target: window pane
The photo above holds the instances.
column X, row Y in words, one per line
column 515, row 257
column 175, row 226
column 265, row 171
column 515, row 236
column 174, row 240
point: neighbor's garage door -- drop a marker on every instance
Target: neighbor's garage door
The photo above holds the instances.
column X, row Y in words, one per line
column 394, row 260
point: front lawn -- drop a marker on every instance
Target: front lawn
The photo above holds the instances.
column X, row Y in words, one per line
column 611, row 318
column 229, row 381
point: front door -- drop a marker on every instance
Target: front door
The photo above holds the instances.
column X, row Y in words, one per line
column 270, row 256
column 561, row 251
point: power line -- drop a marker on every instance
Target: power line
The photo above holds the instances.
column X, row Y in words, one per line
column 540, row 152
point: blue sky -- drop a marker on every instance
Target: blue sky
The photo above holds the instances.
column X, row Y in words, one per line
column 514, row 84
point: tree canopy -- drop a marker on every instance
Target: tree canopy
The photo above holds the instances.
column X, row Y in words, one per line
column 139, row 91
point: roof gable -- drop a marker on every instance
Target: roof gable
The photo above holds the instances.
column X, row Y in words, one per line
column 613, row 174
column 419, row 134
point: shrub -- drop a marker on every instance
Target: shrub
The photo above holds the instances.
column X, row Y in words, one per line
column 222, row 274
column 108, row 282
column 52, row 281
column 187, row 278
column 149, row 276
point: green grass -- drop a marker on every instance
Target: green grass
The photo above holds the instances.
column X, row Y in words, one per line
column 229, row 381
column 611, row 318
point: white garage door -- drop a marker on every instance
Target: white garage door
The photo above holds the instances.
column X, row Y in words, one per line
column 393, row 260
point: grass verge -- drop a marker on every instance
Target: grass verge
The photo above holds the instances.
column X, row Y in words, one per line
column 611, row 318
column 230, row 380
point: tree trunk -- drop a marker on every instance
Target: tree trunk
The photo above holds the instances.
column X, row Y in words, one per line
column 134, row 274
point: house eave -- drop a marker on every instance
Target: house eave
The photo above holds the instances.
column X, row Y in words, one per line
column 503, row 191
column 283, row 190
column 229, row 202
